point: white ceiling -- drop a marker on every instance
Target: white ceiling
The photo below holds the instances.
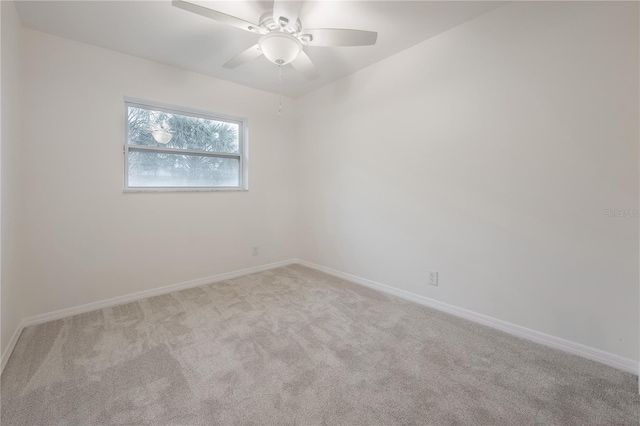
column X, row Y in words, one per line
column 158, row 31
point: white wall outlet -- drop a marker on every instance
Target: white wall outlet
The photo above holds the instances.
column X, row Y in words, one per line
column 255, row 251
column 433, row 278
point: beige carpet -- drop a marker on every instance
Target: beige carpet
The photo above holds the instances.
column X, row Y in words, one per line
column 296, row 346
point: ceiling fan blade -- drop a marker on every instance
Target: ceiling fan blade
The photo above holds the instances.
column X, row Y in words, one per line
column 286, row 12
column 244, row 57
column 217, row 16
column 338, row 37
column 302, row 63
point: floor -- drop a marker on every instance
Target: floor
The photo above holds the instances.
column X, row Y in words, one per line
column 296, row 346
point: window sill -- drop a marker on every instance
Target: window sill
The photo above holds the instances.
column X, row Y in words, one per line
column 134, row 190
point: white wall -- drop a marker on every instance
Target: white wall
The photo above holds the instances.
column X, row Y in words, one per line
column 11, row 198
column 85, row 239
column 489, row 154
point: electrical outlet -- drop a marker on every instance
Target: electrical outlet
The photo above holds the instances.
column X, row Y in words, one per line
column 433, row 278
column 255, row 251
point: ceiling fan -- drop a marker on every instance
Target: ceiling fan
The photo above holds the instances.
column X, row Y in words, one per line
column 282, row 36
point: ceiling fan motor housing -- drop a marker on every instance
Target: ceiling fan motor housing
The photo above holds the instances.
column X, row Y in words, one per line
column 268, row 24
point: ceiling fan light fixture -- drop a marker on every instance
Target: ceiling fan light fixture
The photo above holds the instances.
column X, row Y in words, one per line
column 279, row 47
column 162, row 136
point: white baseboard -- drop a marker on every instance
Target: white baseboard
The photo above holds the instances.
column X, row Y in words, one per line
column 120, row 300
column 588, row 352
column 598, row 355
column 12, row 344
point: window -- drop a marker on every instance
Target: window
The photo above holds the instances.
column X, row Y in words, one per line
column 176, row 149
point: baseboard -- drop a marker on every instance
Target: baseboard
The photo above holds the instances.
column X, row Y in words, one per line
column 120, row 300
column 593, row 354
column 12, row 344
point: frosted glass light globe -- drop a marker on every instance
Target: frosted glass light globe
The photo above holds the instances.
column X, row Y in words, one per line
column 162, row 136
column 280, row 48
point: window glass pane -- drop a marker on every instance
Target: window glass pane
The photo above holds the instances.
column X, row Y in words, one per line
column 167, row 130
column 158, row 169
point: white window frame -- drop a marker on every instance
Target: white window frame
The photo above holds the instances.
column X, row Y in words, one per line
column 242, row 155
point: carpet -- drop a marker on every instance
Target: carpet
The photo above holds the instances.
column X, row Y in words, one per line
column 294, row 346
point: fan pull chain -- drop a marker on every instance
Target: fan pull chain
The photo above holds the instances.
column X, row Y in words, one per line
column 280, row 90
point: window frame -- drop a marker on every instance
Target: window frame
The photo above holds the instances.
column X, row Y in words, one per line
column 174, row 109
